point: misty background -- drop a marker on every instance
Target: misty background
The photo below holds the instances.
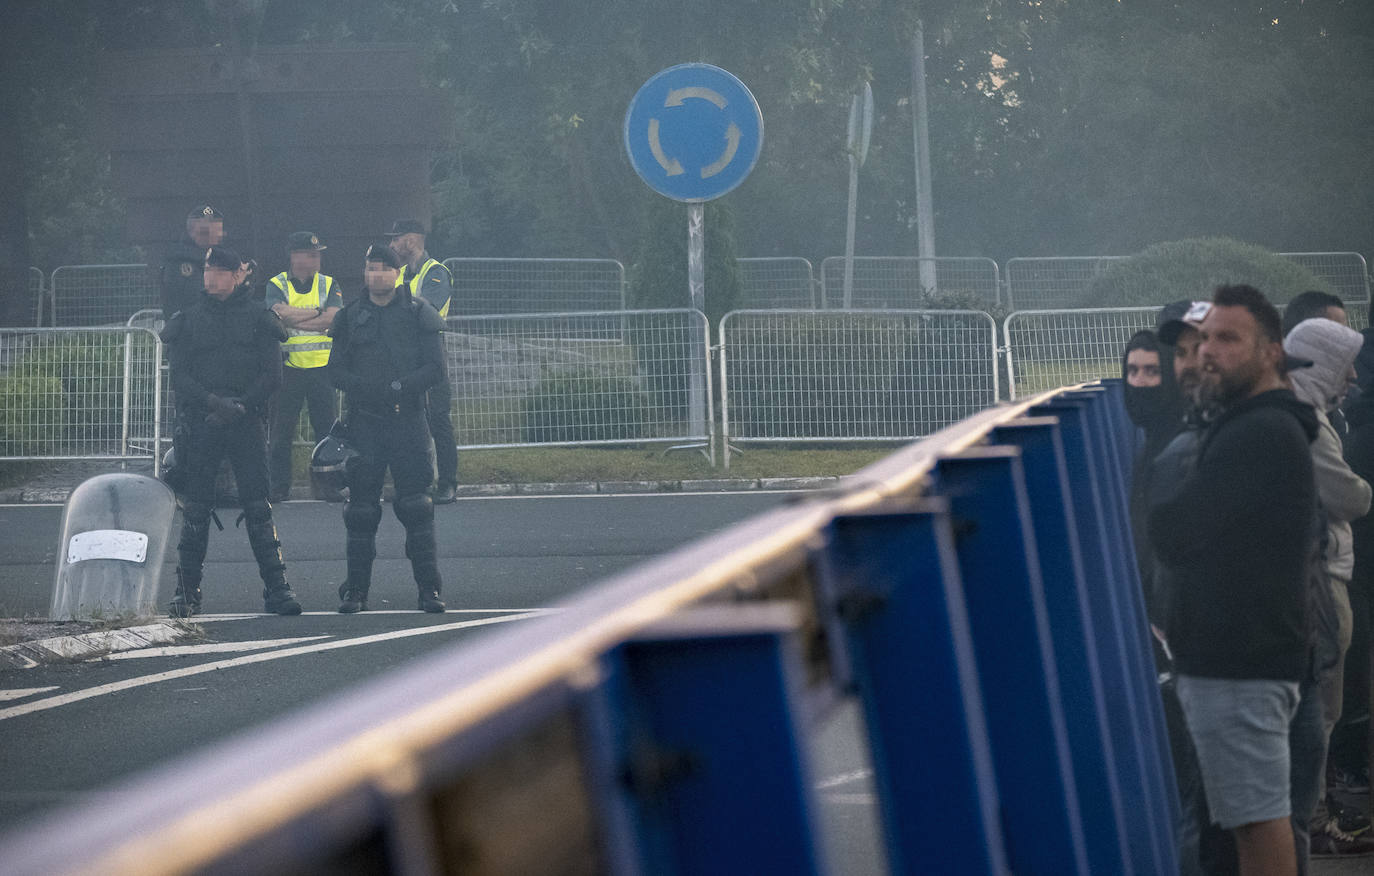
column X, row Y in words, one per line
column 1057, row 127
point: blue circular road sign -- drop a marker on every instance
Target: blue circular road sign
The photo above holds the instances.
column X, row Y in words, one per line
column 693, row 132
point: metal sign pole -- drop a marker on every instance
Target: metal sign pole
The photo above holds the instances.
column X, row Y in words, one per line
column 849, row 232
column 696, row 289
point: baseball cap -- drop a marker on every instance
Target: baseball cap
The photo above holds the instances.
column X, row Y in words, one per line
column 205, row 211
column 406, row 226
column 1175, row 317
column 223, row 258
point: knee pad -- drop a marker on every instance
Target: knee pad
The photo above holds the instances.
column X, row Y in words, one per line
column 362, row 517
column 415, row 509
column 257, row 511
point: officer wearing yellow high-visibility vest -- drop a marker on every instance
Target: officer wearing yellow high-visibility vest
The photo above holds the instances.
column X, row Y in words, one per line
column 306, row 300
column 427, row 278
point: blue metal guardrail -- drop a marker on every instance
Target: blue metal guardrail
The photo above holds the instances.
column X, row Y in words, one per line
column 975, row 593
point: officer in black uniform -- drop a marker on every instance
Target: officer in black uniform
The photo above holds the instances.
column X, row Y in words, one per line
column 385, row 357
column 180, row 280
column 225, row 359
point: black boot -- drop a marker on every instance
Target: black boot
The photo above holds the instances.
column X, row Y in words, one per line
column 362, row 549
column 186, row 601
column 277, row 596
column 195, row 538
column 416, row 513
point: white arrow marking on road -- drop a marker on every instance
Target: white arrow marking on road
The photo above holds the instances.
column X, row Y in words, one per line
column 216, row 665
column 210, row 648
column 671, row 165
column 21, row 693
column 678, row 95
column 731, row 147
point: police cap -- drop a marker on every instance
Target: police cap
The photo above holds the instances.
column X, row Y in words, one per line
column 380, row 252
column 406, row 226
column 205, row 211
column 304, row 241
column 223, row 258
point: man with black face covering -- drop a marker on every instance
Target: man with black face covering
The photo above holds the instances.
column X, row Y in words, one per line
column 1154, row 404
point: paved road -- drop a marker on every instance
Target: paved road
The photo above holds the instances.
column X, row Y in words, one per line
column 86, row 724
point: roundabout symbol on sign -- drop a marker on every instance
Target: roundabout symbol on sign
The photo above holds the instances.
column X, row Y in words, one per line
column 693, row 132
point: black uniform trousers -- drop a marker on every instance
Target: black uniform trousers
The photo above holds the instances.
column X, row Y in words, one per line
column 397, row 441
column 242, row 443
column 308, row 385
column 441, row 429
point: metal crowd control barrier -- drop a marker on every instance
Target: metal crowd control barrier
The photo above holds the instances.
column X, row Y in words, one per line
column 883, row 282
column 1345, row 271
column 36, row 290
column 973, row 594
column 767, row 283
column 852, row 375
column 78, row 393
column 602, row 377
column 1048, row 348
column 484, row 286
column 99, row 294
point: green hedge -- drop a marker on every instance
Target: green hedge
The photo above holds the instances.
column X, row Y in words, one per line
column 1192, row 268
column 584, row 405
column 30, row 415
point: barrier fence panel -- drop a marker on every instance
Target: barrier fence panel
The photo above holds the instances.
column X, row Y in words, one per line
column 483, row 286
column 607, row 377
column 1345, row 271
column 991, row 562
column 1049, row 348
column 882, row 375
column 894, row 282
column 36, row 292
column 100, row 294
column 83, row 393
column 766, row 283
column 1054, row 282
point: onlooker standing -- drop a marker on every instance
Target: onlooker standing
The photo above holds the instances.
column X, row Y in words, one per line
column 306, row 300
column 1314, row 305
column 1240, row 527
column 1344, row 496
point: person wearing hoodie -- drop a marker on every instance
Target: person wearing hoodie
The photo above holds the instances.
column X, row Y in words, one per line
column 1239, row 529
column 1344, row 496
column 1154, row 404
column 1349, row 756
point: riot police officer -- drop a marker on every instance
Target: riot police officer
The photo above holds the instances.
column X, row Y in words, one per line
column 386, row 356
column 225, row 357
column 181, row 280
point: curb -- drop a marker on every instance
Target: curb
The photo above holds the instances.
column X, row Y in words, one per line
column 22, row 496
column 27, row 655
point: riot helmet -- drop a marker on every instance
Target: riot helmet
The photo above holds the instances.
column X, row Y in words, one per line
column 329, row 461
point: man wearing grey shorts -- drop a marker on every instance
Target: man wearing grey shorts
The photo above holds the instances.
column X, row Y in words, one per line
column 1239, row 534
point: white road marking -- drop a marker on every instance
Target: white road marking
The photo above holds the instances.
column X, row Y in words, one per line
column 210, row 648
column 211, row 618
column 22, row 692
column 767, row 492
column 213, row 666
column 844, row 779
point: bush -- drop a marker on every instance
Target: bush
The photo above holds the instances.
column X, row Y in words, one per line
column 90, row 370
column 584, row 405
column 1192, row 268
column 30, row 415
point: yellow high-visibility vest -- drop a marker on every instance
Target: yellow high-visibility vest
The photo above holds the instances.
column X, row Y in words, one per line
column 415, row 282
column 304, row 348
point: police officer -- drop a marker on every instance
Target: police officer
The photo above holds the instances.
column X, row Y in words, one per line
column 225, row 354
column 180, row 280
column 427, row 278
column 386, row 357
column 306, row 301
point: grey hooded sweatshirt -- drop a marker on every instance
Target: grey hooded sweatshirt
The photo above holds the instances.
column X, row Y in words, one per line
column 1344, row 495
